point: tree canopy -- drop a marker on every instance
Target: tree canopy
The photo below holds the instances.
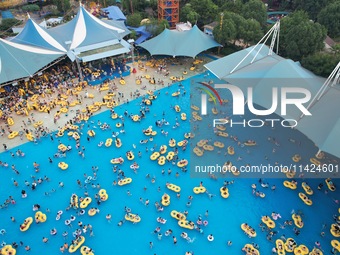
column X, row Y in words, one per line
column 206, row 9
column 237, row 28
column 232, row 6
column 7, row 24
column 187, row 13
column 62, row 5
column 225, row 33
column 300, row 37
column 155, row 27
column 321, row 63
column 330, row 18
column 134, row 19
column 132, row 6
column 255, row 9
column 312, row 7
column 252, row 32
column 30, row 8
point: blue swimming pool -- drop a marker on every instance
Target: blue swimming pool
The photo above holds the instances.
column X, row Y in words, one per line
column 224, row 215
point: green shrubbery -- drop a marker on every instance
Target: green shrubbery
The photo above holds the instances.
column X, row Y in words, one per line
column 7, row 24
column 31, row 8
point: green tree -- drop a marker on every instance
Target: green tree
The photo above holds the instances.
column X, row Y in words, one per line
column 239, row 23
column 300, row 37
column 232, row 6
column 330, row 18
column 187, row 13
column 336, row 48
column 132, row 6
column 206, row 10
column 321, row 63
column 225, row 32
column 110, row 2
column 134, row 19
column 106, row 3
column 252, row 32
column 255, row 9
column 31, row 8
column 312, row 7
column 155, row 27
column 151, row 4
column 133, row 35
column 63, row 5
column 192, row 17
column 285, row 5
column 7, row 24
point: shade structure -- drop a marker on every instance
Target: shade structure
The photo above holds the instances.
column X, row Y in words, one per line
column 88, row 38
column 85, row 38
column 263, row 72
column 19, row 61
column 114, row 13
column 37, row 36
column 323, row 127
column 174, row 43
column 118, row 24
column 144, row 34
column 222, row 67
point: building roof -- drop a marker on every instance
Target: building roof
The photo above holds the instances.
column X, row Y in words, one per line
column 19, row 61
column 34, row 35
column 7, row 15
column 87, row 33
column 85, row 29
column 85, row 37
column 323, row 127
column 211, row 26
column 143, row 34
column 174, row 43
column 118, row 24
column 114, row 13
column 183, row 26
column 329, row 41
column 263, row 71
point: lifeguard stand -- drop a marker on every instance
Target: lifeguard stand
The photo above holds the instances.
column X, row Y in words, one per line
column 169, row 10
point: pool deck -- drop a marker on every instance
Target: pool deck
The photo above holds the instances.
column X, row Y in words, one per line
column 130, row 87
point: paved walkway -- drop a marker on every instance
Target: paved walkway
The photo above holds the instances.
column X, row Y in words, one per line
column 130, row 87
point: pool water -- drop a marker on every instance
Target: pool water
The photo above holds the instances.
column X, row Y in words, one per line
column 224, row 215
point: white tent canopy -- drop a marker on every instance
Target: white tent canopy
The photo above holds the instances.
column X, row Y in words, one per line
column 323, row 127
column 264, row 73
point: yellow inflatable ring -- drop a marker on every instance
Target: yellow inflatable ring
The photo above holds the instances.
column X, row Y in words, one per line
column 173, row 187
column 124, row 181
column 199, row 190
column 13, row 134
column 62, row 165
column 26, row 225
column 76, row 244
column 177, row 215
column 136, row 118
column 155, row 155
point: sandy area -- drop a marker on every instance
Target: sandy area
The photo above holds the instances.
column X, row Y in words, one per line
column 130, row 87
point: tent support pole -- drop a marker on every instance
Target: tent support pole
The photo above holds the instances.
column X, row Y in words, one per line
column 132, row 54
column 333, row 79
column 265, row 38
column 79, row 70
column 333, row 76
